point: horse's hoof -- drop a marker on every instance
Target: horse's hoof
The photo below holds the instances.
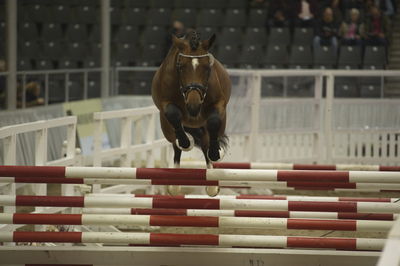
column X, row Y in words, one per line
column 215, row 156
column 173, row 190
column 212, row 191
column 191, row 143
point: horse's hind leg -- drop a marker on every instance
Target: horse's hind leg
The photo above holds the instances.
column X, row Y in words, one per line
column 173, row 114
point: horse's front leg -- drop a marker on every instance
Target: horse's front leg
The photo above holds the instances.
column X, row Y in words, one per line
column 173, row 114
column 215, row 128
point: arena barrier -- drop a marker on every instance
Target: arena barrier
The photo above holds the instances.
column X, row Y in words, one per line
column 291, row 166
column 211, row 204
column 163, row 239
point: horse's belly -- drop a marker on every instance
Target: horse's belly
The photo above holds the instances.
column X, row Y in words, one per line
column 193, row 122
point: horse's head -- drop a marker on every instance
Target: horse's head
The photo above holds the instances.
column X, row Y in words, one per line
column 193, row 65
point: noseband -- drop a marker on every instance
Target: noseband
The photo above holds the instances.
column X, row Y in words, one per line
column 202, row 90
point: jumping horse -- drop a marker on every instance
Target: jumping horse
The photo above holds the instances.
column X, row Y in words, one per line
column 192, row 89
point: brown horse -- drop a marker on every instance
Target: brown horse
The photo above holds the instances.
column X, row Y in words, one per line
column 191, row 89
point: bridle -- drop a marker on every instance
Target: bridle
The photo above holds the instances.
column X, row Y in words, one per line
column 202, row 90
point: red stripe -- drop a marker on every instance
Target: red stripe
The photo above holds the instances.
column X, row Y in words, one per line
column 52, row 180
column 159, row 211
column 317, row 224
column 366, row 216
column 62, row 237
column 318, row 176
column 54, row 201
column 389, row 168
column 314, row 167
column 321, row 184
column 364, row 199
column 41, row 218
column 318, row 206
column 318, row 242
column 232, row 165
column 184, row 182
column 186, row 203
column 280, row 214
column 34, row 171
column 390, row 190
column 183, row 239
column 160, row 220
column 170, row 173
column 261, row 197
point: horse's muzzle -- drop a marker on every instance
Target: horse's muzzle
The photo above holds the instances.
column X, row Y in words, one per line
column 201, row 89
column 193, row 109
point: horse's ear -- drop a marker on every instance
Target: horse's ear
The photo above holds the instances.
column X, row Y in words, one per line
column 178, row 42
column 208, row 43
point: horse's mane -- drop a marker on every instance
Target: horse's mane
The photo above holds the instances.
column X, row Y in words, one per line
column 194, row 39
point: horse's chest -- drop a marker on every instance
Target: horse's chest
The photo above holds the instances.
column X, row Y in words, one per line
column 193, row 122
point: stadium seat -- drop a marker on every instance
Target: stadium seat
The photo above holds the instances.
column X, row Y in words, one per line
column 134, row 16
column 116, row 15
column 159, row 17
column 374, row 57
column 207, row 32
column 27, row 31
column 75, row 90
column 29, row 49
column 43, row 64
column 276, row 57
column 36, row 13
column 125, row 54
column 350, row 57
column 256, row 36
column 24, row 64
column 53, row 49
column 60, row 13
column 52, row 32
column 230, row 35
column 186, row 15
column 154, row 35
column 93, row 87
column 257, row 17
column 67, row 63
column 94, row 34
column 252, row 56
column 235, row 18
column 303, row 36
column 186, row 3
column 300, row 87
column 142, row 82
column 210, row 18
column 272, row 87
column 237, row 4
column 300, row 57
column 151, row 55
column 138, row 3
column 77, row 50
column 94, row 49
column 127, row 34
column 346, row 87
column 370, row 87
column 161, row 4
column 91, row 62
column 228, row 54
column 279, row 36
column 324, row 57
column 213, row 3
column 76, row 32
column 87, row 14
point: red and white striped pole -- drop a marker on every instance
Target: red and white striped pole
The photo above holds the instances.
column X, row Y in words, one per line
column 215, row 204
column 196, row 221
column 201, row 174
column 291, row 166
column 161, row 239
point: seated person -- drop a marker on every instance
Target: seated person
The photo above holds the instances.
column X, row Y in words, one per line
column 305, row 12
column 32, row 95
column 326, row 31
column 377, row 28
column 351, row 32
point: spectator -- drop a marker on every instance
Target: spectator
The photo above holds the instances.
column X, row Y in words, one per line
column 337, row 12
column 357, row 4
column 279, row 19
column 304, row 13
column 177, row 29
column 377, row 28
column 32, row 95
column 351, row 32
column 326, row 31
column 387, row 7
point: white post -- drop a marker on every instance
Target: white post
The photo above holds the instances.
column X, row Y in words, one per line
column 40, row 159
column 138, row 140
column 10, row 158
column 105, row 48
column 255, row 116
column 328, row 117
column 126, row 140
column 151, row 128
column 68, row 189
column 11, row 53
column 97, row 148
column 317, row 141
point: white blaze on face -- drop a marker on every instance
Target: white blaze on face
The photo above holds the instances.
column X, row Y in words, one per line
column 195, row 63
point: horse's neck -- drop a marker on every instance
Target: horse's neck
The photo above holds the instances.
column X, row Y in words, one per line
column 169, row 63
